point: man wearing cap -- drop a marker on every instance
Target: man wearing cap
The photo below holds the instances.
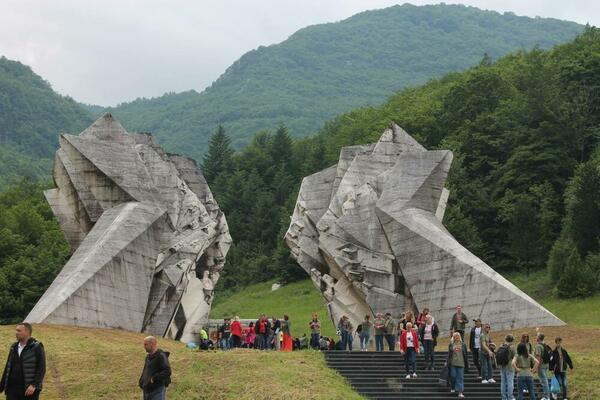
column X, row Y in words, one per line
column 475, row 345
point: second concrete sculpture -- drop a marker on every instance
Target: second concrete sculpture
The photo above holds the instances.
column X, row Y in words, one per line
column 369, row 232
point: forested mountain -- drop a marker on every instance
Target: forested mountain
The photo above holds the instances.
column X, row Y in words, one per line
column 31, row 116
column 323, row 70
column 524, row 185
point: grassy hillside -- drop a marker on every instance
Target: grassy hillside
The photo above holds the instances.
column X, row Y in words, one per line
column 323, row 70
column 31, row 117
column 298, row 300
column 88, row 363
column 580, row 335
column 105, row 364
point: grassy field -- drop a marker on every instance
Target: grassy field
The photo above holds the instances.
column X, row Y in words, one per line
column 93, row 364
column 581, row 335
column 298, row 300
column 105, row 364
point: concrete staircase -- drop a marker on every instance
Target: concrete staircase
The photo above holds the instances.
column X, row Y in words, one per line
column 382, row 376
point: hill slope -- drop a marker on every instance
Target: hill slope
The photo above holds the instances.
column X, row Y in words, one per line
column 31, row 116
column 300, row 299
column 323, row 70
column 85, row 363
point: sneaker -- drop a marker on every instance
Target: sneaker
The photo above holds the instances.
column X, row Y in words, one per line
column 414, row 374
column 484, row 381
column 452, row 391
column 491, row 380
column 554, row 396
column 461, row 395
column 408, row 376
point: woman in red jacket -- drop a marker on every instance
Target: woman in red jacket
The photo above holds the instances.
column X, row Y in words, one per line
column 236, row 333
column 409, row 346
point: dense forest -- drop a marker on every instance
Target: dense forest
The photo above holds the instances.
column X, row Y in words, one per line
column 525, row 182
column 31, row 115
column 324, row 70
column 32, row 249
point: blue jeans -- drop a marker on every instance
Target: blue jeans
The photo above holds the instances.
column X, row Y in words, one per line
column 457, row 378
column 507, row 384
column 378, row 342
column 562, row 379
column 525, row 382
column 156, row 394
column 543, row 377
column 428, row 349
column 391, row 339
column 364, row 340
column 486, row 365
column 314, row 340
column 346, row 340
column 225, row 345
column 410, row 360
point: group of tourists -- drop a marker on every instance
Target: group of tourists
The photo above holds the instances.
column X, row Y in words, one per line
column 262, row 334
column 25, row 367
column 523, row 359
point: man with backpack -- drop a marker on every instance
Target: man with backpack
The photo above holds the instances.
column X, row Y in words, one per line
column 156, row 375
column 504, row 357
column 543, row 353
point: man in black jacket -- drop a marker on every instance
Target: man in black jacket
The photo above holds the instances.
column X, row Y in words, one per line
column 156, row 375
column 558, row 364
column 475, row 345
column 25, row 368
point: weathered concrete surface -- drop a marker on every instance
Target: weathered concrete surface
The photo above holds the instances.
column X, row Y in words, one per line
column 149, row 239
column 369, row 232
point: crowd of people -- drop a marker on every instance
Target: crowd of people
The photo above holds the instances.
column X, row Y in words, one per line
column 262, row 334
column 418, row 334
column 25, row 367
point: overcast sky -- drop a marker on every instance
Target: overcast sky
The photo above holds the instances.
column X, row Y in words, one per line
column 110, row 51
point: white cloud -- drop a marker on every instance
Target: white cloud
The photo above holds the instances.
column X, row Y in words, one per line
column 110, row 51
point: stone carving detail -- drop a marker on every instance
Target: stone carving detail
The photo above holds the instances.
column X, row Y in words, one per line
column 148, row 238
column 369, row 233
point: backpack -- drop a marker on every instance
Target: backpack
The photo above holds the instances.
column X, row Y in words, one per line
column 503, row 355
column 359, row 328
column 546, row 354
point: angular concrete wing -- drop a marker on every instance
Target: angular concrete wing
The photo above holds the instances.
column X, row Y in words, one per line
column 149, row 240
column 369, row 233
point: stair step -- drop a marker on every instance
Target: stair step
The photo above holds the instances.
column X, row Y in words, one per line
column 381, row 375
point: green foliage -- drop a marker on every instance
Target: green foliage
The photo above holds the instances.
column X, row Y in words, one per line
column 32, row 249
column 509, row 125
column 218, row 158
column 31, row 117
column 577, row 279
column 320, row 71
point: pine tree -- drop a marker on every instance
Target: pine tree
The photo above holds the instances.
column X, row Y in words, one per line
column 219, row 157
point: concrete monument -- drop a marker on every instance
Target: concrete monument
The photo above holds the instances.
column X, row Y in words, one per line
column 148, row 238
column 369, row 232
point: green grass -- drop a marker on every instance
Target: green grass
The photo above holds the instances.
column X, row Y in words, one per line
column 577, row 311
column 86, row 363
column 298, row 300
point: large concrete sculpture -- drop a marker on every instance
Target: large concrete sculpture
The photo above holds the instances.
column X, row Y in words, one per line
column 149, row 241
column 369, row 232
